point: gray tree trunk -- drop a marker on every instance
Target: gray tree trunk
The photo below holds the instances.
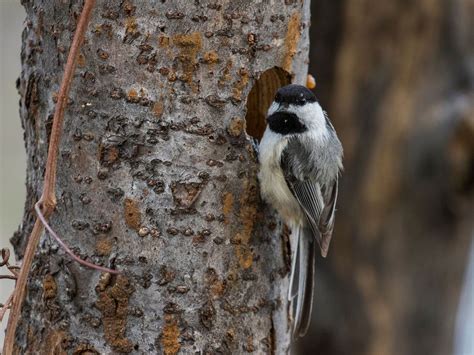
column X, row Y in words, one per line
column 157, row 176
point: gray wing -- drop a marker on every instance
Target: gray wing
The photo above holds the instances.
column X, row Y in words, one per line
column 317, row 200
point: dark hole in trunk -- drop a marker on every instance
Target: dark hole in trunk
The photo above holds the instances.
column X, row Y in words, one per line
column 260, row 98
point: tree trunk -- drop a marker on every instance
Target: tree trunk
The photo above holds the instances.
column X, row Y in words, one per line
column 397, row 80
column 157, row 176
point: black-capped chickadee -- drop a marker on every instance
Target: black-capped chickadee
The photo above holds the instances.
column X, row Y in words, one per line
column 300, row 161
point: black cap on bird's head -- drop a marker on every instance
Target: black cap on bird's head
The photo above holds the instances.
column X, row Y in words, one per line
column 294, row 95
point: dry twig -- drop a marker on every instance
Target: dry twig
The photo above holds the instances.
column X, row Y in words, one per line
column 5, row 307
column 5, row 253
column 5, row 261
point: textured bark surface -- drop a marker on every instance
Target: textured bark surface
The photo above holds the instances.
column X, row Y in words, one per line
column 157, row 177
column 397, row 80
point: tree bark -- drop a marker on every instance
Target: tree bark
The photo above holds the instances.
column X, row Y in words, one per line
column 397, row 80
column 157, row 176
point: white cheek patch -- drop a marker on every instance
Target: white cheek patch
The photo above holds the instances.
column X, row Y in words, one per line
column 310, row 111
column 312, row 115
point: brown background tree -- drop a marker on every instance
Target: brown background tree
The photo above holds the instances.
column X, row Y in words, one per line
column 397, row 80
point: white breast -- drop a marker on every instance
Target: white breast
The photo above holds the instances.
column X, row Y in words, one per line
column 273, row 187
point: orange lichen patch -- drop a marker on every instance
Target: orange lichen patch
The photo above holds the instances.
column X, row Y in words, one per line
column 133, row 216
column 85, row 349
column 230, row 334
column 291, row 41
column 163, row 41
column 240, row 84
column 103, row 246
column 81, row 60
column 50, row 287
column 129, row 8
column 135, row 97
column 103, row 54
column 98, row 29
column 211, row 57
column 131, row 27
column 249, row 347
column 108, row 156
column 248, row 216
column 251, row 39
column 216, row 286
column 190, row 41
column 132, row 95
column 112, row 154
column 225, row 77
column 236, row 126
column 158, row 108
column 172, row 76
column 189, row 45
column 113, row 304
column 170, row 336
column 310, row 81
column 244, row 254
column 227, row 205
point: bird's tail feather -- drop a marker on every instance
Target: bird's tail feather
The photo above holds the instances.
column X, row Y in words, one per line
column 301, row 295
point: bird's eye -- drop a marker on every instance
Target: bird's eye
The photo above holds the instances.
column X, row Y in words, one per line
column 277, row 97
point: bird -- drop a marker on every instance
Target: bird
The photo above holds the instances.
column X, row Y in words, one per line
column 300, row 158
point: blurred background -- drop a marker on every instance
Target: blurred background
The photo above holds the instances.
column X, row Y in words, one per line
column 12, row 151
column 396, row 78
